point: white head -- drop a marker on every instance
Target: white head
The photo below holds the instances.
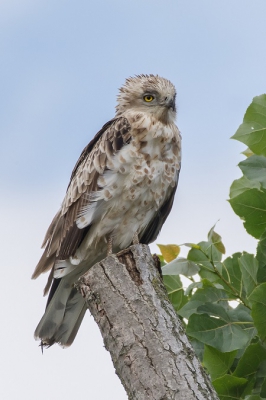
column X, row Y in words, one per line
column 150, row 94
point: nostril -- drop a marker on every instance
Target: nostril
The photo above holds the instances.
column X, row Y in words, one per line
column 165, row 98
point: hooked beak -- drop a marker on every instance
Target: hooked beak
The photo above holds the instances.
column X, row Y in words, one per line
column 171, row 104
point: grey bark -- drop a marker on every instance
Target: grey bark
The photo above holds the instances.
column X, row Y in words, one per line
column 140, row 328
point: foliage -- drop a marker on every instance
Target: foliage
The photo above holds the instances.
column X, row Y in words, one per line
column 229, row 338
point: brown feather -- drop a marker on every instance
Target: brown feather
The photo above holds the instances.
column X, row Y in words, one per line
column 44, row 265
column 72, row 236
column 86, row 151
column 49, row 282
column 63, row 236
column 50, row 230
column 153, row 229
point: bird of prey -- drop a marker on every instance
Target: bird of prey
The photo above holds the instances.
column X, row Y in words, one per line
column 120, row 192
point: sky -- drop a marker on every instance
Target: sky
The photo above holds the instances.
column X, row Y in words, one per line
column 62, row 63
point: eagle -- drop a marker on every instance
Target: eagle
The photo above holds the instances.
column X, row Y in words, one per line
column 120, row 192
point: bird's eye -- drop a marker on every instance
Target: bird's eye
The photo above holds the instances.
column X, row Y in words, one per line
column 148, row 98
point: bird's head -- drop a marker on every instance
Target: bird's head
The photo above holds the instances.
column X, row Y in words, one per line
column 150, row 94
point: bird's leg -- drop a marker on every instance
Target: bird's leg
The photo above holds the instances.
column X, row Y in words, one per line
column 109, row 245
column 135, row 238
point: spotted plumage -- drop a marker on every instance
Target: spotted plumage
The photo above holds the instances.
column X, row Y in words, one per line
column 122, row 187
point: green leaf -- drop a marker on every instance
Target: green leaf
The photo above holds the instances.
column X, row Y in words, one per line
column 193, row 285
column 222, row 334
column 249, row 386
column 254, row 397
column 169, row 251
column 259, row 316
column 261, row 257
column 199, row 257
column 216, row 362
column 256, row 382
column 180, row 266
column 258, row 311
column 254, row 168
column 212, row 252
column 250, row 362
column 214, row 310
column 162, row 262
column 261, row 250
column 261, row 386
column 191, row 307
column 251, row 207
column 249, row 268
column 175, row 291
column 203, row 295
column 232, row 274
column 216, row 239
column 259, row 294
column 242, row 185
column 248, row 194
column 206, row 256
column 192, row 245
column 207, row 272
column 247, row 152
column 198, row 347
column 252, row 131
column 229, row 387
column 239, row 315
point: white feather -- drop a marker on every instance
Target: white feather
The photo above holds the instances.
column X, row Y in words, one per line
column 86, row 215
column 62, row 268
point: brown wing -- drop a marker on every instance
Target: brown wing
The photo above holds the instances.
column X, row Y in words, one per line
column 63, row 236
column 153, row 228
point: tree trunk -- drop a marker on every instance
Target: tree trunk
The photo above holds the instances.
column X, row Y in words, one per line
column 150, row 351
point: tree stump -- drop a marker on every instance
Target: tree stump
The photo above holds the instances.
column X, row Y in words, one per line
column 140, row 328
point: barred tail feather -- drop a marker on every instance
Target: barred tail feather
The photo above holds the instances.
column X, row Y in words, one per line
column 62, row 316
column 72, row 319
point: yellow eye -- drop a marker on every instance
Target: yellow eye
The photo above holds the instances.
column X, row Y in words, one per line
column 148, row 98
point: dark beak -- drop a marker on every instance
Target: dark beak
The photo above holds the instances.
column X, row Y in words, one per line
column 171, row 104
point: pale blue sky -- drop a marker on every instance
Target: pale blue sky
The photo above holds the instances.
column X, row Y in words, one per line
column 61, row 65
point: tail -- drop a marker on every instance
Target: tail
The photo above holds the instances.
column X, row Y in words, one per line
column 63, row 315
column 65, row 306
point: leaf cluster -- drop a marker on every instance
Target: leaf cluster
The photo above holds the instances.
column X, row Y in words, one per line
column 223, row 299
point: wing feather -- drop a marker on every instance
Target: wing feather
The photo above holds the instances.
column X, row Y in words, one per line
column 155, row 225
column 63, row 236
